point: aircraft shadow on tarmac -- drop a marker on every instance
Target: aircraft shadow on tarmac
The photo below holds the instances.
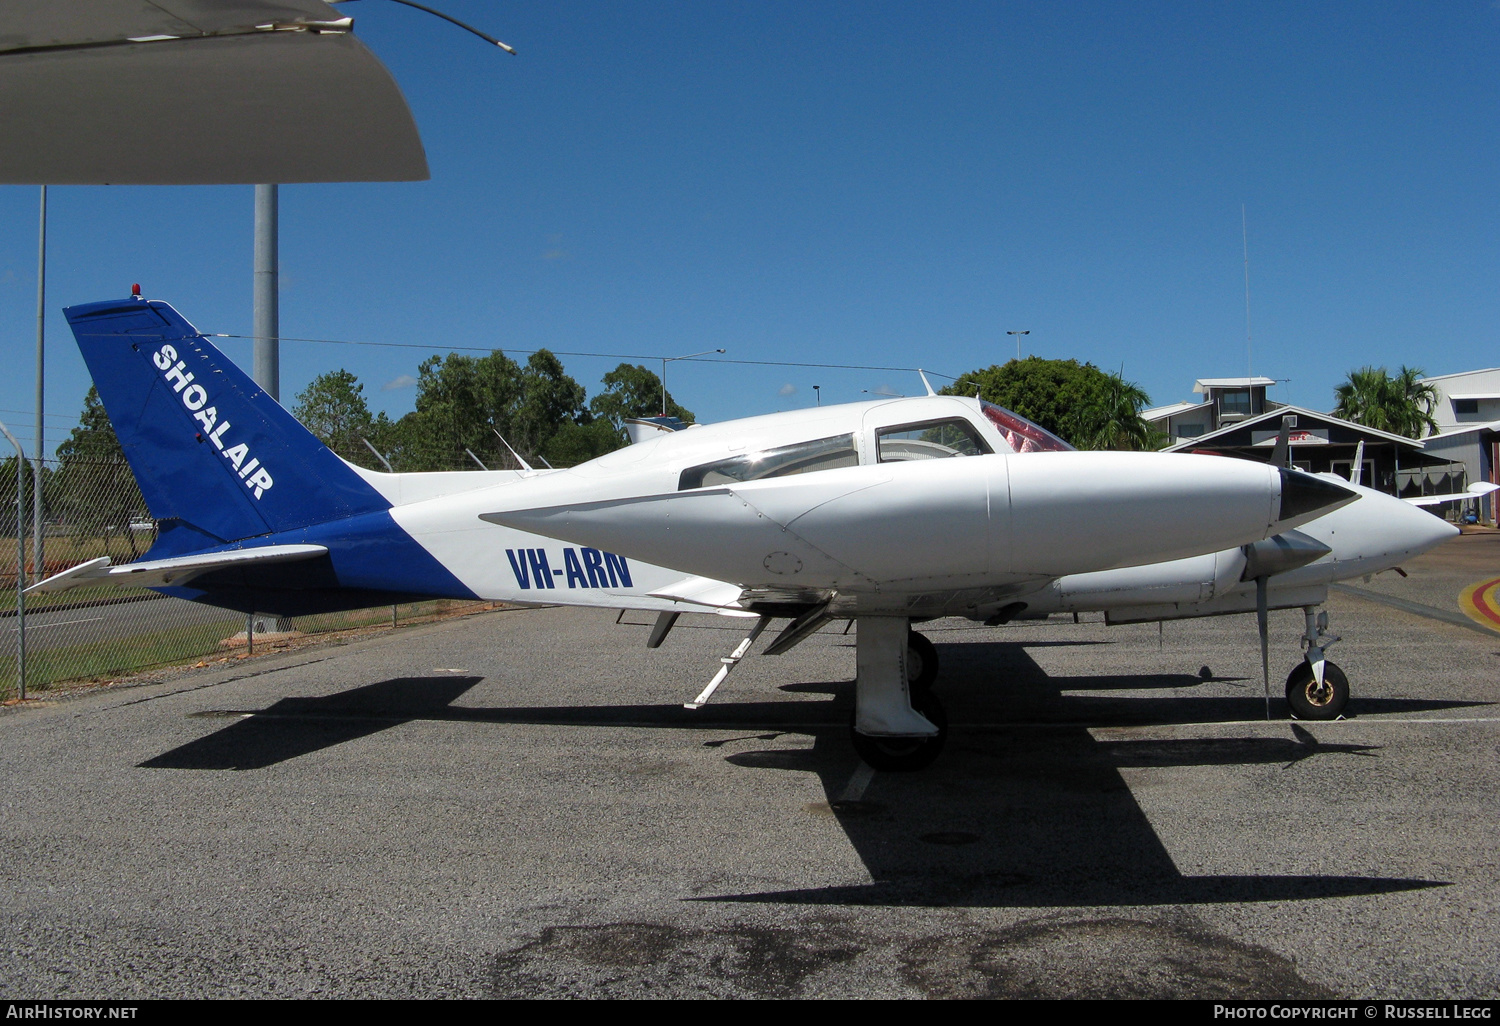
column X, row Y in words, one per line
column 1024, row 809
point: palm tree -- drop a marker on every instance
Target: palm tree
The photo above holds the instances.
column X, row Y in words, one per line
column 1112, row 420
column 1402, row 404
column 1361, row 398
column 1416, row 400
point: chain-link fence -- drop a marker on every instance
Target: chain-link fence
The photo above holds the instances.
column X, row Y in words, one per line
column 98, row 633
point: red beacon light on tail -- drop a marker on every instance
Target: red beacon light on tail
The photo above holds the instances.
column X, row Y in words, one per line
column 135, row 291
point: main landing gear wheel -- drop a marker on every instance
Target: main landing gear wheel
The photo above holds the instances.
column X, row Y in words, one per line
column 906, row 754
column 1310, row 702
column 921, row 663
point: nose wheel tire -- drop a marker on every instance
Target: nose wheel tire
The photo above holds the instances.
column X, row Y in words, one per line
column 921, row 663
column 1310, row 702
column 905, row 754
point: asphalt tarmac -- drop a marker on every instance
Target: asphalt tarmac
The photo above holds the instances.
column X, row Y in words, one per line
column 515, row 804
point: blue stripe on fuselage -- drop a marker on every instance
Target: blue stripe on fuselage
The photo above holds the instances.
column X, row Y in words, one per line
column 368, row 553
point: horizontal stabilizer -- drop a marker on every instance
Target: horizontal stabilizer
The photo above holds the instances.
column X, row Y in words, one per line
column 158, row 573
column 1477, row 490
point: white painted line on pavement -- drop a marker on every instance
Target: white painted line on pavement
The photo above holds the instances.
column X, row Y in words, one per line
column 64, row 623
column 857, row 783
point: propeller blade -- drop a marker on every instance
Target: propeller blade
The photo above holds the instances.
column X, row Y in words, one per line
column 1282, row 449
column 1261, row 622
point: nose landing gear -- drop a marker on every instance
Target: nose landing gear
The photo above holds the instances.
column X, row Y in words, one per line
column 1317, row 689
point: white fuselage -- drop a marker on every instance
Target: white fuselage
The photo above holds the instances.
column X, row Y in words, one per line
column 704, row 519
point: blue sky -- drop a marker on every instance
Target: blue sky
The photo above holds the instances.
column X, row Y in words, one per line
column 878, row 183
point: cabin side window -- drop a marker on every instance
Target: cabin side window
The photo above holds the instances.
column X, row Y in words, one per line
column 801, row 458
column 929, row 440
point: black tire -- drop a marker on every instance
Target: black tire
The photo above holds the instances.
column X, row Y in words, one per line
column 905, row 754
column 921, row 662
column 1308, row 702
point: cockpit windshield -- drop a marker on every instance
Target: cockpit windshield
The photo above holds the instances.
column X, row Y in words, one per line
column 1021, row 434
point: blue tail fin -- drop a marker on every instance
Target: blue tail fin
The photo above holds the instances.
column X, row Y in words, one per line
column 216, row 458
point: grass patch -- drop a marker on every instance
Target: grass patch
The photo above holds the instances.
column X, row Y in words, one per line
column 114, row 656
column 166, row 646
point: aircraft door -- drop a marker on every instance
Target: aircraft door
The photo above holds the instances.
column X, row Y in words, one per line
column 939, row 428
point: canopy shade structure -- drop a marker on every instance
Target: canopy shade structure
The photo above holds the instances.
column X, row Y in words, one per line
column 196, row 92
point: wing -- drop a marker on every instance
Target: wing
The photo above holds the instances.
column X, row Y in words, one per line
column 1477, row 490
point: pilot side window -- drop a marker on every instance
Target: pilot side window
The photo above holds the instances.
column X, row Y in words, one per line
column 930, row 440
column 801, row 458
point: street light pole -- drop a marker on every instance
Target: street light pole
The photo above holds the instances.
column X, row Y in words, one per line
column 37, row 554
column 1018, row 335
column 818, row 393
column 672, row 359
column 266, row 362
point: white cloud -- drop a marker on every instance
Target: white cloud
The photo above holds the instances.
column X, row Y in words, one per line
column 404, row 381
column 787, row 389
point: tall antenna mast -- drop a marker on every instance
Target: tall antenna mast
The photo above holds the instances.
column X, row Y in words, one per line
column 1245, row 239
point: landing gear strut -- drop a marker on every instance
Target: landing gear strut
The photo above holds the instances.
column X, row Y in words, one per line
column 897, row 727
column 1317, row 689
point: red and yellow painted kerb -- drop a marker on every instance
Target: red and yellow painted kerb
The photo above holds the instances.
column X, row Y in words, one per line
column 1481, row 602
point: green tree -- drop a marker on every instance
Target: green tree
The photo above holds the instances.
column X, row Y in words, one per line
column 1112, row 419
column 333, row 408
column 548, row 400
column 1415, row 400
column 576, row 443
column 8, row 502
column 93, row 490
column 631, row 390
column 461, row 402
column 389, row 439
column 1402, row 404
column 1049, row 392
column 466, row 402
column 94, row 438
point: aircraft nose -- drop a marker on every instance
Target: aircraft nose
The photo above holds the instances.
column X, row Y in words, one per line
column 1302, row 494
column 1430, row 529
column 1408, row 530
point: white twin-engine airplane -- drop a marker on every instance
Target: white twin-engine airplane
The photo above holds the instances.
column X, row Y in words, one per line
column 862, row 512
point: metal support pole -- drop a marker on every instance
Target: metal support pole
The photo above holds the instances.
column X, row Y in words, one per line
column 249, row 633
column 20, row 563
column 267, row 321
column 266, row 365
column 37, row 555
